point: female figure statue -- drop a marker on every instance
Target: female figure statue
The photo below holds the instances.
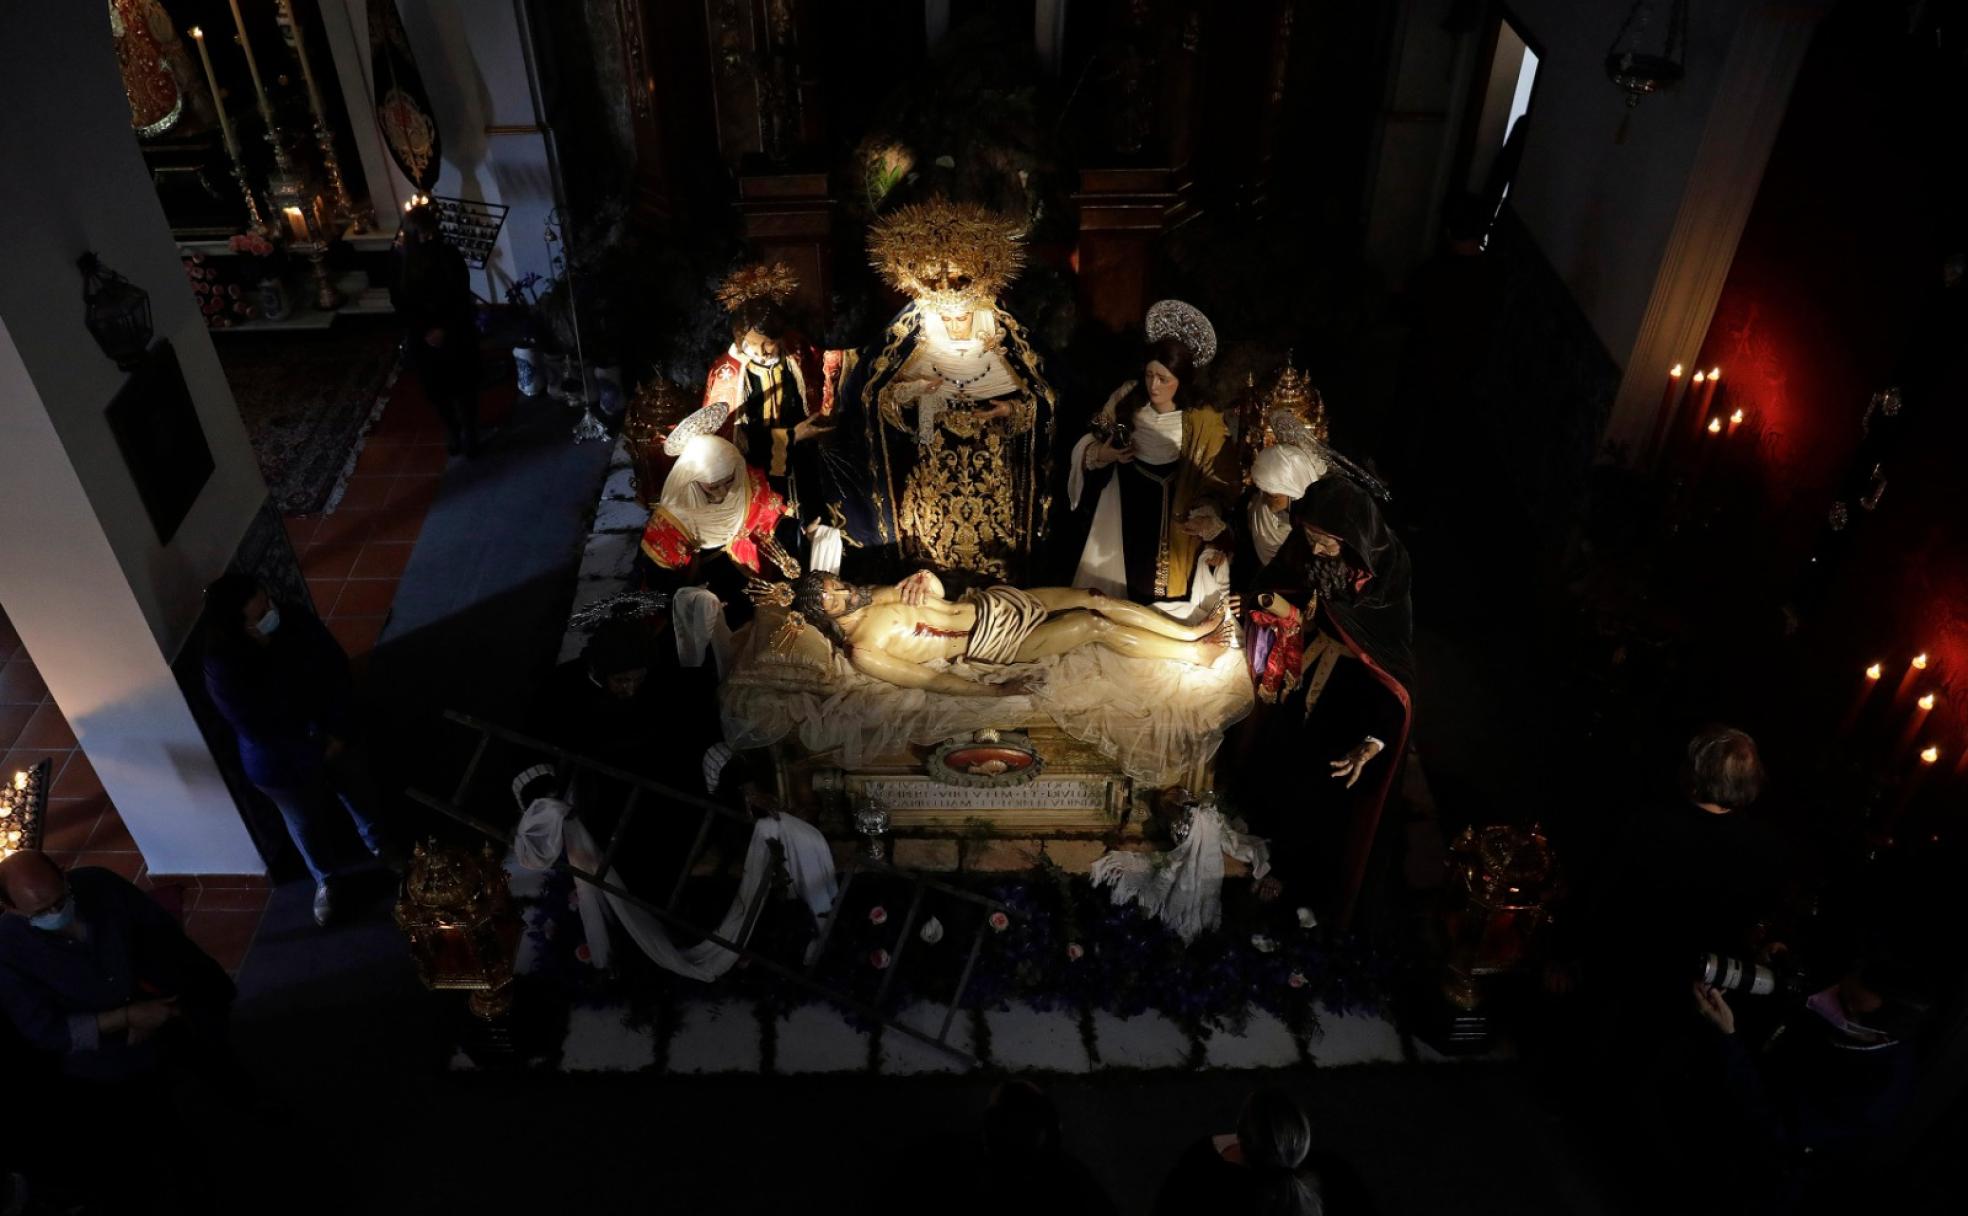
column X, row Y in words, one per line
column 1156, row 477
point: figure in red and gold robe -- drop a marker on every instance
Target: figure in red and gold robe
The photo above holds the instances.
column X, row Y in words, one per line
column 718, row 525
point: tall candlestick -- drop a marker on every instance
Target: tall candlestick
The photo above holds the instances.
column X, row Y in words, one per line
column 1714, row 382
column 253, row 66
column 1670, row 401
column 225, row 132
column 324, row 138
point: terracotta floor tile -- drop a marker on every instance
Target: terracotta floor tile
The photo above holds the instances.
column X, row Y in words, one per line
column 425, row 458
column 78, row 779
column 329, row 561
column 324, row 592
column 70, row 823
column 366, row 597
column 382, row 559
column 14, row 720
column 419, row 488
column 300, row 530
column 47, row 729
column 20, row 683
column 226, row 936
column 347, row 526
column 400, row 523
column 111, row 835
column 364, row 493
column 382, row 459
column 129, row 865
column 357, row 634
column 232, row 899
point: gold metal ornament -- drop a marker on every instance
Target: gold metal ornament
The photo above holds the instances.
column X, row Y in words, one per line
column 457, row 912
column 775, row 281
column 946, row 255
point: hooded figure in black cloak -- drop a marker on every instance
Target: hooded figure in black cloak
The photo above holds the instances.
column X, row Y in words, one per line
column 1332, row 648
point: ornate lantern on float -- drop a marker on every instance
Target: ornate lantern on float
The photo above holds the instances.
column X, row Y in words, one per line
column 1502, row 881
column 23, row 807
column 1291, row 391
column 457, row 912
column 116, row 311
column 654, row 414
column 1647, row 57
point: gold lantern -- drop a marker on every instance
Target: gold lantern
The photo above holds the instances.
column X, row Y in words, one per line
column 300, row 213
column 457, row 912
column 1290, row 390
column 1502, row 881
column 655, row 411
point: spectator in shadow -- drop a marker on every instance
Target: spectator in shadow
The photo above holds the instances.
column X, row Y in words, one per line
column 434, row 297
column 282, row 683
column 1267, row 1167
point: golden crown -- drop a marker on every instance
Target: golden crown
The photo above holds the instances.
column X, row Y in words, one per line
column 748, row 283
column 1292, row 391
column 944, row 253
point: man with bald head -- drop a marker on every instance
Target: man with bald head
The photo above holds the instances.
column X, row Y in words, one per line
column 98, row 976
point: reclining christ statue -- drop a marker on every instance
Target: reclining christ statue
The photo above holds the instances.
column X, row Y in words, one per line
column 889, row 633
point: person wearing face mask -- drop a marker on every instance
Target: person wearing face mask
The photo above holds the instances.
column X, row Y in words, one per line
column 96, row 974
column 282, row 683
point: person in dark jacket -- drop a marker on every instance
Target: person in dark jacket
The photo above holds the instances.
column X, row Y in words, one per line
column 95, row 974
column 434, row 297
column 282, row 682
column 1267, row 1167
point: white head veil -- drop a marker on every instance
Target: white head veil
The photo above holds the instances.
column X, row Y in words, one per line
column 1286, row 468
column 708, row 459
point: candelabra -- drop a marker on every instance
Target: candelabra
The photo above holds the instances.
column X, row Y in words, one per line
column 22, row 800
column 347, row 218
column 258, row 221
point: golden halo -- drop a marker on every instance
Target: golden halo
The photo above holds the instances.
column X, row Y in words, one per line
column 946, row 254
column 748, row 283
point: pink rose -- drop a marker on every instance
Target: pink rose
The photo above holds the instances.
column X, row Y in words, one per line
column 878, row 915
column 583, row 953
column 878, row 959
column 1074, row 952
column 1000, row 921
column 1296, row 979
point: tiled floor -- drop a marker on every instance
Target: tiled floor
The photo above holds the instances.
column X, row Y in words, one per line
column 352, row 558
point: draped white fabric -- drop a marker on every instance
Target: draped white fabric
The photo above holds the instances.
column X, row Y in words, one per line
column 697, row 615
column 549, row 825
column 824, row 548
column 1184, row 886
column 1269, row 529
column 1103, row 565
column 1156, row 718
column 1282, row 468
column 707, row 460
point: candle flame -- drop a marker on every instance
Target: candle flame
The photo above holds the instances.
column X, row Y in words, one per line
column 197, row 33
column 1926, row 702
column 1930, row 755
column 1875, row 671
column 1920, row 661
column 1675, row 370
column 1701, row 377
column 1736, row 418
column 1714, row 373
column 1714, row 426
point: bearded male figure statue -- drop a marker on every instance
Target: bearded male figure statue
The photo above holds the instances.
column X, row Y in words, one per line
column 889, row 633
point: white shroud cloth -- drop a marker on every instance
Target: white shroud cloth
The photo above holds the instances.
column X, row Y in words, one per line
column 549, row 824
column 1184, row 886
column 697, row 615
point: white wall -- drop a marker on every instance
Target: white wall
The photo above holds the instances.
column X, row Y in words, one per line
column 1603, row 211
column 100, row 604
column 470, row 55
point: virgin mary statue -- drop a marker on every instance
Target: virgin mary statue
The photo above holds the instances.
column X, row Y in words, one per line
column 952, row 402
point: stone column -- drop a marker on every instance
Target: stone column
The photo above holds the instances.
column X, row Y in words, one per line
column 101, row 603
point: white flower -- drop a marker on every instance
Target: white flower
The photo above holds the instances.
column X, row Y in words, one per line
column 931, row 931
column 1306, row 920
column 1263, row 944
column 946, row 162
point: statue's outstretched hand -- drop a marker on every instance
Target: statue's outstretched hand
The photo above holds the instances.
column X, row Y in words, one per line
column 1353, row 763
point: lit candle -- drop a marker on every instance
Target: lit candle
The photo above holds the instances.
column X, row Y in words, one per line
column 1920, row 661
column 1735, row 420
column 1926, row 702
column 212, row 80
column 1867, row 687
column 253, row 67
column 1874, row 672
column 1670, row 406
column 296, row 223
column 1715, row 426
column 1930, row 754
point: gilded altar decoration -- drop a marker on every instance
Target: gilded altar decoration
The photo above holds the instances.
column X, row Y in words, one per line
column 956, row 412
column 985, row 759
column 457, row 912
column 658, row 408
column 1288, row 398
column 156, row 96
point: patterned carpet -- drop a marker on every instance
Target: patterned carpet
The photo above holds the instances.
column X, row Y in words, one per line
column 307, row 400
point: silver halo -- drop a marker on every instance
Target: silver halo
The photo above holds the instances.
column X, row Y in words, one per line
column 1184, row 323
column 705, row 421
